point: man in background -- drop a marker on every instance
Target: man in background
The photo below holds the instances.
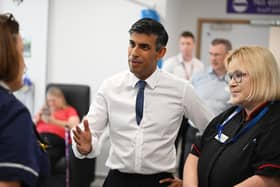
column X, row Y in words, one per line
column 212, row 85
column 184, row 64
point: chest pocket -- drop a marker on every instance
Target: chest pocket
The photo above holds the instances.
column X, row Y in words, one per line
column 243, row 156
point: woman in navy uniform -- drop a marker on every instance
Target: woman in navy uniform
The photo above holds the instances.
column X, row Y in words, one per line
column 240, row 147
column 23, row 163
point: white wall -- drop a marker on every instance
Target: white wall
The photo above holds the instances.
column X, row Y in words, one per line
column 88, row 39
column 33, row 18
column 274, row 41
column 173, row 18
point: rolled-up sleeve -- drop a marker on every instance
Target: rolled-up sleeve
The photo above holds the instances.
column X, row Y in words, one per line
column 195, row 109
column 98, row 119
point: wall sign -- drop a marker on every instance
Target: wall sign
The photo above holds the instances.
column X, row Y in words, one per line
column 253, row 6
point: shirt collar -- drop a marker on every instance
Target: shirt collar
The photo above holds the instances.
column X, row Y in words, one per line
column 181, row 60
column 151, row 81
column 255, row 112
column 211, row 71
column 4, row 85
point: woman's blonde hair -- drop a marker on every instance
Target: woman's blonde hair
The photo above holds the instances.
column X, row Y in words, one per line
column 263, row 71
column 57, row 92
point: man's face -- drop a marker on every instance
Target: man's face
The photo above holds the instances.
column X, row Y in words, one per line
column 142, row 54
column 239, row 91
column 186, row 46
column 217, row 55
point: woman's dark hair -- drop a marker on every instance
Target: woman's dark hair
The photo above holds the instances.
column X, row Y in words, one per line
column 9, row 55
column 149, row 26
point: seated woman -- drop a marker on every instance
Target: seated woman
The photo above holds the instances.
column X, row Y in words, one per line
column 52, row 120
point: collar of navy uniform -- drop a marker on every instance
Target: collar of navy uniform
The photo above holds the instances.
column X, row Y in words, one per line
column 5, row 86
column 151, row 81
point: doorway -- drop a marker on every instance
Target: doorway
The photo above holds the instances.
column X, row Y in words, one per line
column 238, row 31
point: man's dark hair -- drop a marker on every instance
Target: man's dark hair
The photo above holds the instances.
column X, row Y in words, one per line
column 151, row 27
column 186, row 34
column 222, row 41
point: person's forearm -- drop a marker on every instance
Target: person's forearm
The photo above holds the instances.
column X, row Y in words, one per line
column 260, row 181
column 9, row 184
column 70, row 123
column 60, row 123
column 190, row 177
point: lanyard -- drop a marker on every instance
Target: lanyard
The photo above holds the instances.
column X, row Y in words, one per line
column 251, row 124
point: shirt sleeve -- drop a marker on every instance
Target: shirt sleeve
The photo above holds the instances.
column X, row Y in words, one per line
column 71, row 111
column 267, row 159
column 195, row 109
column 167, row 65
column 196, row 147
column 98, row 119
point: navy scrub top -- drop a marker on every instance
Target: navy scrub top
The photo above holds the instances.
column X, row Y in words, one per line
column 254, row 153
column 21, row 157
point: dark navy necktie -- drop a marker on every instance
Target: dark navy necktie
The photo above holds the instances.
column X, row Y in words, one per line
column 140, row 101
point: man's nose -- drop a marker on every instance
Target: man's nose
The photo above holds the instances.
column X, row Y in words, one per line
column 134, row 51
column 212, row 58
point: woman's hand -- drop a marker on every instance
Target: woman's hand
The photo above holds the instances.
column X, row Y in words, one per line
column 9, row 184
column 45, row 118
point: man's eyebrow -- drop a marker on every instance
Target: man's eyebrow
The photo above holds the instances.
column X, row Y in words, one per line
column 140, row 44
column 144, row 44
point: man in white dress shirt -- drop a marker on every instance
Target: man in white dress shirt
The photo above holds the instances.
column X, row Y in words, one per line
column 142, row 152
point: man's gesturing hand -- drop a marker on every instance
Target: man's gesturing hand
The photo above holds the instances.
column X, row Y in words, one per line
column 83, row 138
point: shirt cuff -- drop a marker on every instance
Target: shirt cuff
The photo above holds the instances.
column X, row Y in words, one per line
column 91, row 154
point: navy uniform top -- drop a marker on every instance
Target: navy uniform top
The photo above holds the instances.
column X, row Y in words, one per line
column 21, row 157
column 255, row 152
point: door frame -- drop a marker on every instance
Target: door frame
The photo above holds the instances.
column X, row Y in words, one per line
column 202, row 21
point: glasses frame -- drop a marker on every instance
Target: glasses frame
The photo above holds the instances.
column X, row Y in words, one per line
column 237, row 76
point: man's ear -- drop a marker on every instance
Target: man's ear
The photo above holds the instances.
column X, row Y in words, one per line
column 161, row 52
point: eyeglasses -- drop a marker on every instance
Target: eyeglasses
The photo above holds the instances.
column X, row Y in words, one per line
column 236, row 76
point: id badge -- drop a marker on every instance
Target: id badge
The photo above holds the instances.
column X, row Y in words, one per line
column 222, row 139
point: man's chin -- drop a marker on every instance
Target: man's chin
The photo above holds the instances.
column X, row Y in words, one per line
column 133, row 68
